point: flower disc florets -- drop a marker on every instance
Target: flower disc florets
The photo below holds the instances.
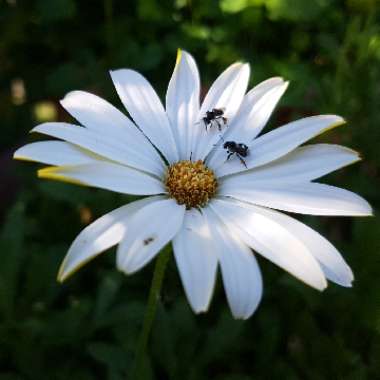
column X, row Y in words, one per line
column 191, row 183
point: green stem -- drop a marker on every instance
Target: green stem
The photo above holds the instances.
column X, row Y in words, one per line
column 154, row 294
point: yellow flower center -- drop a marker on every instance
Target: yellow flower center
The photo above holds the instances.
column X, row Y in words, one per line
column 191, row 183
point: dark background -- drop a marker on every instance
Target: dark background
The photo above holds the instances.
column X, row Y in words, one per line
column 87, row 328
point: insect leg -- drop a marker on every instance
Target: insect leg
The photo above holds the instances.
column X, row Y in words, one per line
column 229, row 155
column 241, row 160
column 205, row 122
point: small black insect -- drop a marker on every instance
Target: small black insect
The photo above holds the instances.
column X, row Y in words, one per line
column 215, row 116
column 148, row 240
column 241, row 150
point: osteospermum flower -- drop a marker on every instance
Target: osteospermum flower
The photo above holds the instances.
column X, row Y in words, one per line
column 214, row 210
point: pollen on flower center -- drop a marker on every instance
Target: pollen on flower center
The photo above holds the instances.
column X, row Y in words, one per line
column 190, row 183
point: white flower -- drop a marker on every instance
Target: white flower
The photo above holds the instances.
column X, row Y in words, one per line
column 213, row 210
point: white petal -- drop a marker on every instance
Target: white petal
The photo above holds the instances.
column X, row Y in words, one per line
column 149, row 231
column 97, row 114
column 55, row 153
column 182, row 102
column 100, row 235
column 127, row 152
column 145, row 108
column 310, row 198
column 279, row 142
column 252, row 117
column 106, row 175
column 302, row 165
column 100, row 116
column 271, row 239
column 241, row 274
column 194, row 251
column 227, row 92
column 330, row 260
column 256, row 109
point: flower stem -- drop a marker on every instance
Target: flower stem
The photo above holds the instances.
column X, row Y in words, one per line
column 154, row 294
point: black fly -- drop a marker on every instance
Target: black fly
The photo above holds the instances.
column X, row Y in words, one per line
column 148, row 240
column 215, row 116
column 241, row 150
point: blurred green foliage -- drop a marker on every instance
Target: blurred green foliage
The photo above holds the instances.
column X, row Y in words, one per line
column 87, row 328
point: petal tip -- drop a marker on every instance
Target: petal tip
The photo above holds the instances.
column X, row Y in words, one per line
column 321, row 288
column 21, row 158
column 247, row 67
column 17, row 156
column 122, row 265
column 41, row 173
column 199, row 310
column 323, row 285
column 355, row 153
column 345, row 279
column 62, row 274
column 179, row 56
column 48, row 172
column 367, row 209
column 340, row 121
column 125, row 271
column 68, row 98
column 115, row 72
column 334, row 124
column 68, row 95
column 242, row 317
column 37, row 128
column 52, row 172
column 320, row 283
column 347, row 285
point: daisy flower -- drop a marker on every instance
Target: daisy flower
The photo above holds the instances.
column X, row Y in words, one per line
column 211, row 181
